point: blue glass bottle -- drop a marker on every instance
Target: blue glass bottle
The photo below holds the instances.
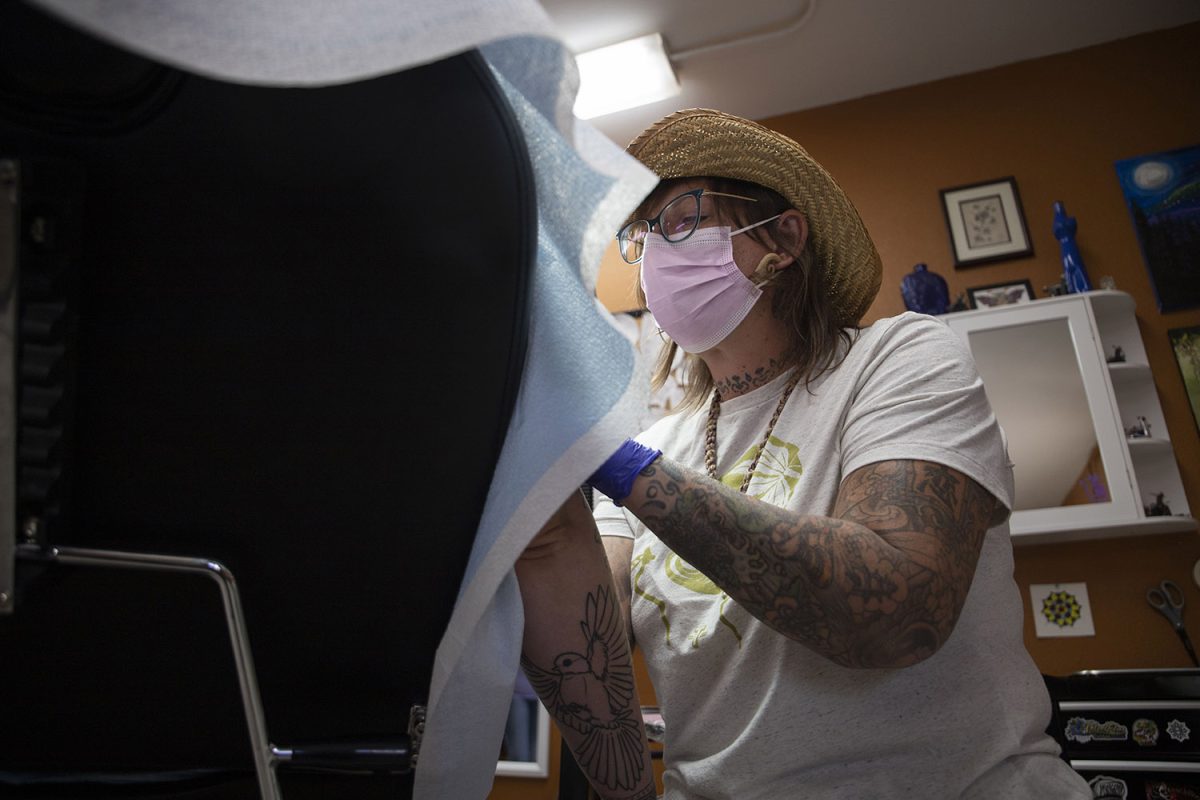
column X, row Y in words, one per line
column 1074, row 275
column 925, row 292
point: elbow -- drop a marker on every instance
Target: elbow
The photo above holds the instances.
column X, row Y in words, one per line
column 896, row 648
column 896, row 635
column 569, row 528
column 549, row 545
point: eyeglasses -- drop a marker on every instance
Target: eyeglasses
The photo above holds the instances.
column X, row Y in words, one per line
column 676, row 222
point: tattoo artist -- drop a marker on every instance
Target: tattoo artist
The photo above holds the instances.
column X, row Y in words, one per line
column 813, row 553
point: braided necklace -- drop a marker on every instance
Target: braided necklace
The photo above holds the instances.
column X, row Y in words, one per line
column 710, row 433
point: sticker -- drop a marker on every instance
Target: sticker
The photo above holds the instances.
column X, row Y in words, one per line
column 1145, row 732
column 1106, row 787
column 1086, row 730
column 1161, row 790
column 1061, row 609
column 1178, row 730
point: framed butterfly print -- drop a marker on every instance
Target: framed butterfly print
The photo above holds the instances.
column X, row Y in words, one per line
column 1000, row 294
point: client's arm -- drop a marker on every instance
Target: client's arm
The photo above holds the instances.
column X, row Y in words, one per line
column 576, row 653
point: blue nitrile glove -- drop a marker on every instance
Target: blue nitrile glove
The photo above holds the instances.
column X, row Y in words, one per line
column 616, row 475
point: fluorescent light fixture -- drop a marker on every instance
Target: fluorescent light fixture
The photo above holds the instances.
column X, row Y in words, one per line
column 624, row 75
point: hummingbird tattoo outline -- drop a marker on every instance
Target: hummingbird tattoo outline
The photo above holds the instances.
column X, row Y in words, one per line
column 592, row 693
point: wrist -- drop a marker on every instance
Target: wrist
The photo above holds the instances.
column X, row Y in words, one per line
column 616, row 475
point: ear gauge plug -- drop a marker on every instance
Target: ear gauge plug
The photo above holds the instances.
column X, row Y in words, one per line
column 766, row 271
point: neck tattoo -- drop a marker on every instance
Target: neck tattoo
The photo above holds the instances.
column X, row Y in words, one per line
column 734, row 385
column 710, row 433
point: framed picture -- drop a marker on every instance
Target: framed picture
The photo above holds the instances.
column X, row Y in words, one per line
column 986, row 222
column 1162, row 192
column 1185, row 342
column 1000, row 294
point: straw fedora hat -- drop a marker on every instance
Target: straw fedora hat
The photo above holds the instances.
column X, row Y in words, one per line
column 700, row 142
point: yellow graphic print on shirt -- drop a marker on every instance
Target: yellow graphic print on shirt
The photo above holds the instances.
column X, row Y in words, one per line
column 776, row 475
column 640, row 563
column 775, row 479
column 687, row 576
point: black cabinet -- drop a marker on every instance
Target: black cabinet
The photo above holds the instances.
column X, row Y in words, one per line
column 1131, row 733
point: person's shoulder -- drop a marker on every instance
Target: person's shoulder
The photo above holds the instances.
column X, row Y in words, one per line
column 907, row 324
column 907, row 331
column 667, row 428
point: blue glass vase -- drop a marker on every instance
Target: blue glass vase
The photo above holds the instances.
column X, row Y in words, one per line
column 1074, row 275
column 925, row 292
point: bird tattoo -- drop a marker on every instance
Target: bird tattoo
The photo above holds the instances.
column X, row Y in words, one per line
column 592, row 692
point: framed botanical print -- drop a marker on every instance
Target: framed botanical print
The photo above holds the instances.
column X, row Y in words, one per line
column 986, row 222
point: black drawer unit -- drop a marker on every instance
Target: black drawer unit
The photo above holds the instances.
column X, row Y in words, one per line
column 1131, row 733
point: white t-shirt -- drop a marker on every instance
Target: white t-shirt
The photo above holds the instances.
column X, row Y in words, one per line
column 752, row 714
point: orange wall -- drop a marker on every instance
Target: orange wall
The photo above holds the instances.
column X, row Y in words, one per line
column 1056, row 124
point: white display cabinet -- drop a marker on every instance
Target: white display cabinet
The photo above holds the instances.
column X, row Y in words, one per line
column 1066, row 410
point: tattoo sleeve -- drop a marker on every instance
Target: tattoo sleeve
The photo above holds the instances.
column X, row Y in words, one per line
column 879, row 584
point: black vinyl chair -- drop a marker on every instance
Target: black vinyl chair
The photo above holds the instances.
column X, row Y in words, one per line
column 256, row 333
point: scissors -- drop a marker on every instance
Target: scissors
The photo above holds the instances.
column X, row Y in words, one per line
column 1168, row 599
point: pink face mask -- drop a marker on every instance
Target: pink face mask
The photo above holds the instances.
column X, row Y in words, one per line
column 694, row 289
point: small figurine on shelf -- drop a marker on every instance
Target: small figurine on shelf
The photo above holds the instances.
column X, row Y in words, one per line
column 1055, row 289
column 1074, row 275
column 1159, row 508
column 925, row 292
column 960, row 303
column 1118, row 356
column 1139, row 431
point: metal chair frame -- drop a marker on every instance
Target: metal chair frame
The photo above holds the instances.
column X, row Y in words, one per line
column 265, row 756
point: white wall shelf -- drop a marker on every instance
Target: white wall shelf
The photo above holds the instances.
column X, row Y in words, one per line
column 1046, row 370
column 1149, row 443
column 1068, row 532
column 1129, row 373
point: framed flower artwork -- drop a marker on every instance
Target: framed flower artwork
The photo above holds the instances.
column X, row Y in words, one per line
column 986, row 222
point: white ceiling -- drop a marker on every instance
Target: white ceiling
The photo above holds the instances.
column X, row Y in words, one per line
column 836, row 50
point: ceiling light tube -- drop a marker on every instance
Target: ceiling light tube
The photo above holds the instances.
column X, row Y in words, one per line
column 624, row 75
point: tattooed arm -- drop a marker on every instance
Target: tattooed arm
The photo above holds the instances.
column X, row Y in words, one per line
column 620, row 553
column 879, row 584
column 577, row 656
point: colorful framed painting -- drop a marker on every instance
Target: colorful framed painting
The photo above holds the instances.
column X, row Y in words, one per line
column 1185, row 343
column 986, row 222
column 1162, row 191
